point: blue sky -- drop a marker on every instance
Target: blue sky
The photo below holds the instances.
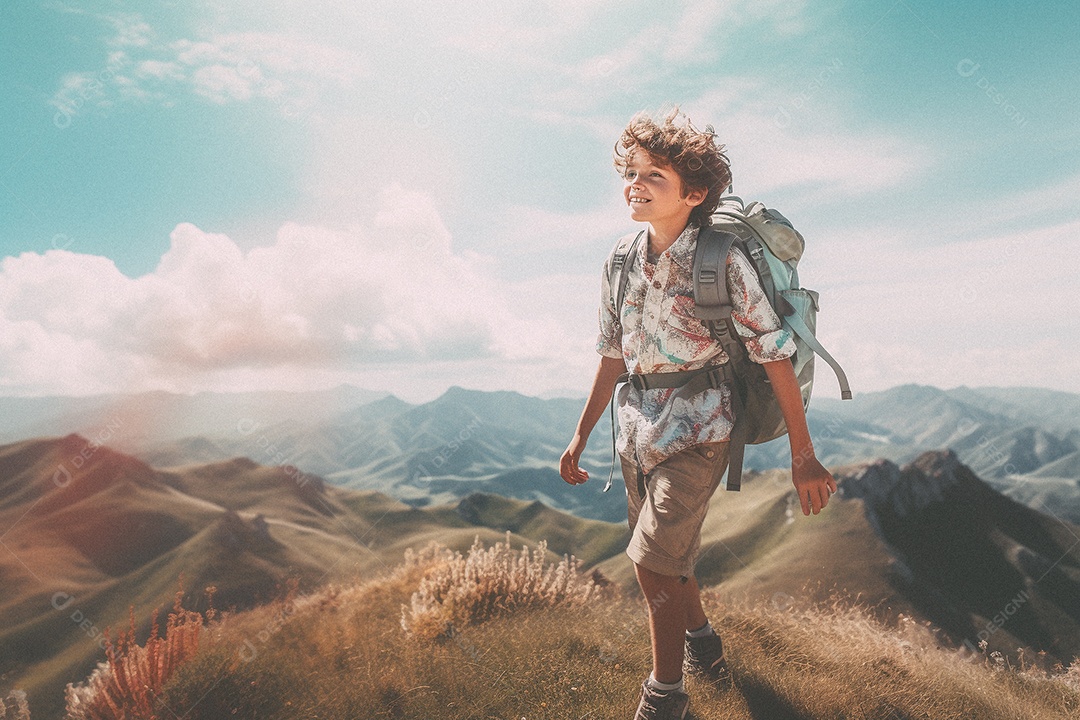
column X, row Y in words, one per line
column 407, row 196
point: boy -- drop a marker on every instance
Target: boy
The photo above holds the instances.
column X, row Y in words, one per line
column 673, row 439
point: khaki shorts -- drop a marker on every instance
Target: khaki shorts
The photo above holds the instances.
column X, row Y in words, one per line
column 666, row 524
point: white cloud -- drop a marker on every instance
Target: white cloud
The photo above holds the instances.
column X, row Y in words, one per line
column 292, row 71
column 1035, row 205
column 694, row 35
column 236, row 67
column 519, row 31
column 273, row 54
column 335, row 301
column 131, row 30
column 537, row 230
column 639, row 66
column 775, row 143
column 161, row 70
column 221, row 83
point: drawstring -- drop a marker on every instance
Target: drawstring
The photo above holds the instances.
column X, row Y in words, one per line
column 625, row 377
column 611, row 414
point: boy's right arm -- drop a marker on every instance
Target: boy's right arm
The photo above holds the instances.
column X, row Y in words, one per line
column 599, row 396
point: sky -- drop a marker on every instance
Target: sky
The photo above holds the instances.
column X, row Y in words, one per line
column 407, row 196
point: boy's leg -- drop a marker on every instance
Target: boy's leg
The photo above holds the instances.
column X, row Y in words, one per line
column 695, row 613
column 674, row 609
column 667, row 533
column 666, row 596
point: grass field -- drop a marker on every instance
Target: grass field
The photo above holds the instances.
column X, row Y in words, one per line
column 342, row 653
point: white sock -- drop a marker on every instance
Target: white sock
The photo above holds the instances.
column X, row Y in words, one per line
column 664, row 687
column 703, row 631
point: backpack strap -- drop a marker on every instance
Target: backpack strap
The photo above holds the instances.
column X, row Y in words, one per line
column 756, row 255
column 795, row 322
column 712, row 299
column 619, row 272
column 618, row 277
column 736, row 444
column 712, row 305
column 611, row 410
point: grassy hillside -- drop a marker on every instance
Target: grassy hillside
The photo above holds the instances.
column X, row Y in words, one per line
column 929, row 541
column 342, row 653
column 109, row 534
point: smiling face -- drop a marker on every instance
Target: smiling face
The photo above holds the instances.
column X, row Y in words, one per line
column 654, row 192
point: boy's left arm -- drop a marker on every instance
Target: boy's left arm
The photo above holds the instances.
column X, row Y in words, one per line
column 812, row 481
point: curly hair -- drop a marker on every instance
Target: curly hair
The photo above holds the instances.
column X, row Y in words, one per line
column 694, row 154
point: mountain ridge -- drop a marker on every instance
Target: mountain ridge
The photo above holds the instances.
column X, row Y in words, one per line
column 508, row 443
column 244, row 528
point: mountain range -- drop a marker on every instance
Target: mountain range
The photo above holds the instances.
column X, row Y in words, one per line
column 91, row 535
column 1024, row 441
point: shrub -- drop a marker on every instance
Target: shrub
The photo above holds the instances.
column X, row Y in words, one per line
column 128, row 684
column 459, row 591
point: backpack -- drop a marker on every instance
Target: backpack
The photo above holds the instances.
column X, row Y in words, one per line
column 774, row 248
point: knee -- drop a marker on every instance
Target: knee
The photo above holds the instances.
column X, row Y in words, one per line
column 657, row 588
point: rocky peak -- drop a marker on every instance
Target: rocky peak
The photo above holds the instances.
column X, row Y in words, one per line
column 468, row 510
column 904, row 491
column 234, row 534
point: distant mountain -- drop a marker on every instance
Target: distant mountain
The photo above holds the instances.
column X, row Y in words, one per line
column 142, row 419
column 469, row 441
column 1057, row 411
column 1023, row 441
column 461, row 443
column 1066, row 467
column 998, row 432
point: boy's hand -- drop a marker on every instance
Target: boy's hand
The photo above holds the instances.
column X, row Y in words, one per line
column 813, row 483
column 568, row 465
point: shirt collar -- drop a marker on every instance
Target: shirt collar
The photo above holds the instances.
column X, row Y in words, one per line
column 682, row 249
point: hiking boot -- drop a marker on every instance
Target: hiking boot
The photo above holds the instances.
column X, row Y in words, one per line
column 704, row 657
column 657, row 705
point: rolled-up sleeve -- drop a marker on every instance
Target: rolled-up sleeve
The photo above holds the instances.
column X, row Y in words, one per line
column 609, row 341
column 756, row 322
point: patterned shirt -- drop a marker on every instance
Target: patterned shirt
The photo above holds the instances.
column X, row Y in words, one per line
column 660, row 333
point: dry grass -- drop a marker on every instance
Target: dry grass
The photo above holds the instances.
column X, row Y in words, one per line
column 14, row 707
column 129, row 683
column 342, row 654
column 458, row 591
column 835, row 660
